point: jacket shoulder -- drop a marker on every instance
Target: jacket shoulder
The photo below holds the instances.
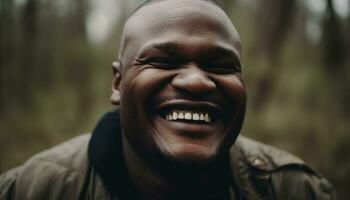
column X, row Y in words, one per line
column 263, row 156
column 68, row 154
column 267, row 172
column 293, row 183
column 57, row 172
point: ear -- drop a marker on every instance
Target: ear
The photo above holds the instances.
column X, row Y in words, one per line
column 115, row 97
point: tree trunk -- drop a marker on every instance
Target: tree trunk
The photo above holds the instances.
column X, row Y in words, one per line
column 275, row 19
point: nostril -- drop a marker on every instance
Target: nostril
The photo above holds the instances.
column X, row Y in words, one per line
column 195, row 82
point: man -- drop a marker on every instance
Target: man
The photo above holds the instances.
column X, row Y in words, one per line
column 181, row 103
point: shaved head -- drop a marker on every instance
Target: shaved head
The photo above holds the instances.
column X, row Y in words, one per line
column 144, row 13
column 148, row 2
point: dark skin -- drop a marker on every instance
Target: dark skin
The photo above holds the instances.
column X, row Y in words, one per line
column 177, row 60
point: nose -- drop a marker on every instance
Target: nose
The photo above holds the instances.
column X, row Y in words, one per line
column 193, row 80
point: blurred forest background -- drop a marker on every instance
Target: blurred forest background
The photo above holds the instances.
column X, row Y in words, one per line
column 55, row 75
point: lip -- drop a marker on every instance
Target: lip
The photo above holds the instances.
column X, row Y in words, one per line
column 190, row 129
column 186, row 129
column 183, row 104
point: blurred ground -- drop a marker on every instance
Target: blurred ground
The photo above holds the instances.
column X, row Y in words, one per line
column 55, row 75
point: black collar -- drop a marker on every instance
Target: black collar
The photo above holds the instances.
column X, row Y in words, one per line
column 106, row 156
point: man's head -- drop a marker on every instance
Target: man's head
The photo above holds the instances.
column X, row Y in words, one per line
column 178, row 81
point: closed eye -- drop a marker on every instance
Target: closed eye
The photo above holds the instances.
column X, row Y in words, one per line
column 222, row 68
column 164, row 63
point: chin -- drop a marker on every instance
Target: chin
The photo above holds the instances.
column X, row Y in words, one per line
column 190, row 153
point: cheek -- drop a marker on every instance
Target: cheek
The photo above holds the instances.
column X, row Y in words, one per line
column 234, row 89
column 141, row 85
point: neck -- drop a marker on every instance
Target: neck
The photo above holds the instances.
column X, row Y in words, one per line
column 175, row 180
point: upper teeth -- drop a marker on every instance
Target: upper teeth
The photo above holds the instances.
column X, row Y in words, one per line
column 186, row 115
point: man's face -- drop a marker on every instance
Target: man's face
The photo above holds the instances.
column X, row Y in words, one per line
column 182, row 93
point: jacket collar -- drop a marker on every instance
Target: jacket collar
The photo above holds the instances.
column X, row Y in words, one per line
column 106, row 155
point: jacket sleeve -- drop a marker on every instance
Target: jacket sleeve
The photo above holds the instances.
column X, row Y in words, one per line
column 40, row 179
column 8, row 184
column 301, row 184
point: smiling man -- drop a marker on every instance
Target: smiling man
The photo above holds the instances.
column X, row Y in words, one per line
column 180, row 102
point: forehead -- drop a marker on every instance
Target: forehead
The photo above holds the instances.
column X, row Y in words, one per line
column 170, row 10
column 194, row 19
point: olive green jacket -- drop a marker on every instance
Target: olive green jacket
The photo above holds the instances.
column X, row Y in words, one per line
column 83, row 168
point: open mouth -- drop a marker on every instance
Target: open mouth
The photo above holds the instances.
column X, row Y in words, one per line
column 189, row 112
column 188, row 116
